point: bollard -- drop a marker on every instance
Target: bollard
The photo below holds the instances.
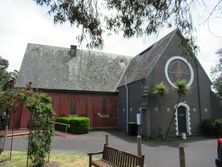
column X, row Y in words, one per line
column 107, row 139
column 182, row 156
column 184, row 137
column 139, row 145
column 6, row 132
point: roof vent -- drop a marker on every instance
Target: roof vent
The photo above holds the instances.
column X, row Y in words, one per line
column 73, row 50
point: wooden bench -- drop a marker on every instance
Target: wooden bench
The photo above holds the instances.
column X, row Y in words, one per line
column 112, row 157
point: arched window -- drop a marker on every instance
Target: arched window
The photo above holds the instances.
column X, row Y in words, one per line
column 73, row 106
column 104, row 107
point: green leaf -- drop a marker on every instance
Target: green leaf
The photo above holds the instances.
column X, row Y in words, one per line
column 181, row 87
column 160, row 89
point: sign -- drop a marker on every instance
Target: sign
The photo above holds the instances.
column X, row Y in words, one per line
column 138, row 119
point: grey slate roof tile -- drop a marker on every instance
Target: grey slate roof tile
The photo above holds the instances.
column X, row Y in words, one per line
column 50, row 67
column 142, row 64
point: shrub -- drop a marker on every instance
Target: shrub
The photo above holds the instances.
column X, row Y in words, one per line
column 78, row 125
column 212, row 127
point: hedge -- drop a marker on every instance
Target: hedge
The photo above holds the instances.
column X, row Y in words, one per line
column 78, row 125
column 212, row 127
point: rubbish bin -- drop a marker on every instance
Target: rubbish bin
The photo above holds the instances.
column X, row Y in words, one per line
column 218, row 160
column 3, row 123
column 132, row 128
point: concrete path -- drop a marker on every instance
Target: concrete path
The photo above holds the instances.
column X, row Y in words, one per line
column 199, row 152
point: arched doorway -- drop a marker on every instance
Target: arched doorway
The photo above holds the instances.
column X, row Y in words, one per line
column 182, row 119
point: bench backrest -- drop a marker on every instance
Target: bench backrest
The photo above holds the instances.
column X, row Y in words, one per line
column 121, row 158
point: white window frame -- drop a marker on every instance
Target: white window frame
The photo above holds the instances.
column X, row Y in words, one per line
column 186, row 62
column 188, row 120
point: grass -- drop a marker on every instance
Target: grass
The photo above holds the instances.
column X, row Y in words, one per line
column 62, row 159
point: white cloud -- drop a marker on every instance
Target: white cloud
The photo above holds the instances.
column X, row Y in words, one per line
column 23, row 22
column 209, row 39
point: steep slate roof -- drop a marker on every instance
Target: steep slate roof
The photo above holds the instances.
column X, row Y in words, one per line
column 50, row 67
column 142, row 64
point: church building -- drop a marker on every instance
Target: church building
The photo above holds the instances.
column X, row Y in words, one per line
column 112, row 89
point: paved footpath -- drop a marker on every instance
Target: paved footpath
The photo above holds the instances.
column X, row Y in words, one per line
column 199, row 152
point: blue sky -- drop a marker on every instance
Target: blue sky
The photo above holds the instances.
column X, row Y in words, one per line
column 22, row 22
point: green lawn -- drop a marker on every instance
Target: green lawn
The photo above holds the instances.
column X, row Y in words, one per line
column 58, row 159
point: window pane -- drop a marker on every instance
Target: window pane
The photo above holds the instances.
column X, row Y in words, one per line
column 178, row 70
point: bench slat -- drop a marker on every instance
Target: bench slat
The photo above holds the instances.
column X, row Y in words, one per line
column 99, row 163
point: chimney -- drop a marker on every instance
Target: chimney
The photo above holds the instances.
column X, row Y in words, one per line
column 73, row 50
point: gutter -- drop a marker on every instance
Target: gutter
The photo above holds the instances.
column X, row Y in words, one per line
column 127, row 105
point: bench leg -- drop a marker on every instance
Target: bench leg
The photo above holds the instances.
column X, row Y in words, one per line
column 90, row 160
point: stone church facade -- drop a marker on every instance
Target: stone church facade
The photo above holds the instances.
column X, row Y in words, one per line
column 166, row 61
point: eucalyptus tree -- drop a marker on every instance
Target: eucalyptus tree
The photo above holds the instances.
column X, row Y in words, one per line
column 216, row 74
column 131, row 18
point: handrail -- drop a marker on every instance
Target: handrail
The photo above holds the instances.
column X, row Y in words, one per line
column 59, row 123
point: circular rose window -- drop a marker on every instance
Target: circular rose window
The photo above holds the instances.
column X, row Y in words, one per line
column 178, row 68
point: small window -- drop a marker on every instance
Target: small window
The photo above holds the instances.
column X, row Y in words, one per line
column 73, row 106
column 104, row 112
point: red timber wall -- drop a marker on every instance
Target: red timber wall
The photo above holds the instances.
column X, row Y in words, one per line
column 87, row 104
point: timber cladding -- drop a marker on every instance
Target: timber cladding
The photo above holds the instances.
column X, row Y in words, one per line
column 100, row 108
column 89, row 105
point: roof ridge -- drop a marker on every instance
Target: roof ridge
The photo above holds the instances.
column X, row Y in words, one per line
column 84, row 50
column 172, row 35
column 150, row 46
column 47, row 45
